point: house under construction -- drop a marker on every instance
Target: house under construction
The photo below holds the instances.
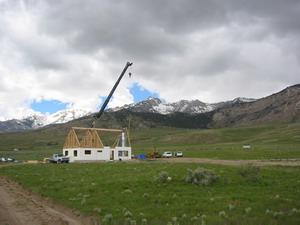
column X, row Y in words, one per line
column 90, row 147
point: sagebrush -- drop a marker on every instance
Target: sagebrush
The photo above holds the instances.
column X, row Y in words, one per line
column 250, row 172
column 163, row 177
column 201, row 176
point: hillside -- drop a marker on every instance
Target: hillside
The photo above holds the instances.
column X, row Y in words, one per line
column 283, row 106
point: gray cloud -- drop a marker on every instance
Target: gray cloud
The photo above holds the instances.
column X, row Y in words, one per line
column 215, row 50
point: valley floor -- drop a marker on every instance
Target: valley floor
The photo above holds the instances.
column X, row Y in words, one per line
column 282, row 162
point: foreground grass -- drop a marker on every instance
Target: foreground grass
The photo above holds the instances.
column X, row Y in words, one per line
column 129, row 192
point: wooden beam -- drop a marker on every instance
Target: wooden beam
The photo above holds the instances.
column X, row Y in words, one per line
column 97, row 129
column 72, row 140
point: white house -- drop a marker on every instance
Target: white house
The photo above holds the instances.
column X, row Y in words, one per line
column 90, row 147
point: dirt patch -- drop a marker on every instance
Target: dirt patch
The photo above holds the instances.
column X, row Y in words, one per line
column 19, row 206
column 288, row 162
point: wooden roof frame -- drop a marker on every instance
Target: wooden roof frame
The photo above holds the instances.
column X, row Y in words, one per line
column 90, row 139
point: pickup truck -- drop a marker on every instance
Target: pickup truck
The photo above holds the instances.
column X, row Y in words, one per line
column 167, row 154
column 178, row 154
column 59, row 158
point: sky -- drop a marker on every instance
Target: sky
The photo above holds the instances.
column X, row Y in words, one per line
column 68, row 54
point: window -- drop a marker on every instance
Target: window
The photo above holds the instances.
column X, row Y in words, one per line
column 99, row 151
column 123, row 153
column 87, row 152
column 75, row 153
column 66, row 153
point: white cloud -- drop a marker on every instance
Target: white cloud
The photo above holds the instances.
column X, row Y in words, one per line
column 74, row 51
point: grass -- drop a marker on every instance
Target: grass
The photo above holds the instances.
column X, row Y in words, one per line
column 273, row 141
column 130, row 190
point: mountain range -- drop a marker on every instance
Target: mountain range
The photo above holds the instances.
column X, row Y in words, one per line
column 156, row 105
column 283, row 106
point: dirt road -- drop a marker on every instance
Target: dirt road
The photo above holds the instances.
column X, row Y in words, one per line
column 290, row 162
column 19, row 206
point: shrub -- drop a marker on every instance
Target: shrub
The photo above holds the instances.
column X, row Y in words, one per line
column 128, row 191
column 163, row 177
column 127, row 214
column 250, row 172
column 145, row 195
column 231, row 207
column 144, row 221
column 295, row 211
column 248, row 210
column 201, row 177
column 97, row 210
column 133, row 222
column 107, row 218
column 223, row 214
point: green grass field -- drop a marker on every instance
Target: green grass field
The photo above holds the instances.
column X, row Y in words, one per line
column 128, row 192
column 273, row 141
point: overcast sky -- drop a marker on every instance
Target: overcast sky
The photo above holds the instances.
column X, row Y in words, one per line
column 73, row 51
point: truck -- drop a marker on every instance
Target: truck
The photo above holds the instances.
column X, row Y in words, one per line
column 59, row 158
column 178, row 154
column 153, row 155
column 167, row 154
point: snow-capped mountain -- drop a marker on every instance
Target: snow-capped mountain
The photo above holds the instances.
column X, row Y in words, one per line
column 41, row 120
column 152, row 105
column 62, row 116
column 155, row 105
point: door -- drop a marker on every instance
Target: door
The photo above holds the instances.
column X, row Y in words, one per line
column 112, row 155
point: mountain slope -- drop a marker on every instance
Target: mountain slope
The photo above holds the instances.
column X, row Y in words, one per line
column 283, row 106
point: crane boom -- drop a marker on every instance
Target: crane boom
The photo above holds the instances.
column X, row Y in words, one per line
column 98, row 115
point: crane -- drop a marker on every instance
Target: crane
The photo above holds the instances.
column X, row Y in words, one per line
column 98, row 114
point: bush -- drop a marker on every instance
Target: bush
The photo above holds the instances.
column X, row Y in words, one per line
column 163, row 177
column 250, row 172
column 107, row 218
column 201, row 177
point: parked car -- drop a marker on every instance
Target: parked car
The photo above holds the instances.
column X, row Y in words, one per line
column 9, row 160
column 167, row 154
column 178, row 154
column 3, row 159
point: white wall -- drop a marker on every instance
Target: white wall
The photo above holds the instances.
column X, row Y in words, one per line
column 106, row 153
column 123, row 153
